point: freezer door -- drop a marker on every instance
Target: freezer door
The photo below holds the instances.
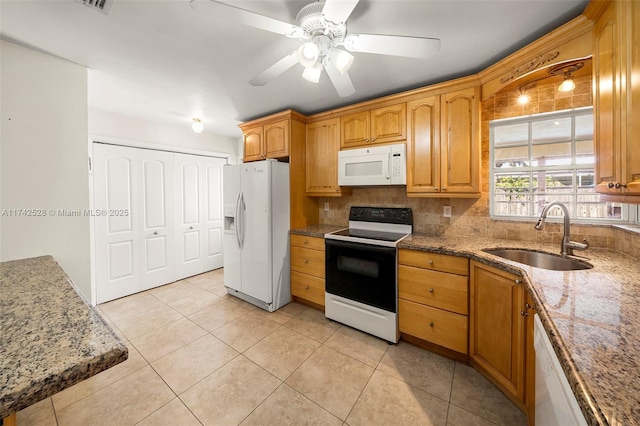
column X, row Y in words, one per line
column 256, row 231
column 231, row 241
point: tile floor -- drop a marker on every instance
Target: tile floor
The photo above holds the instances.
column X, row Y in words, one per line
column 199, row 356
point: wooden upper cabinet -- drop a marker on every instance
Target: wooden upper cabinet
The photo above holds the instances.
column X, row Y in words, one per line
column 355, row 129
column 443, row 145
column 323, row 144
column 616, row 40
column 253, row 144
column 460, row 149
column 381, row 125
column 423, row 145
column 276, row 139
column 497, row 326
column 270, row 140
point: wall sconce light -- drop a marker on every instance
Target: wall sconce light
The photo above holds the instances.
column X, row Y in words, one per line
column 197, row 125
column 567, row 84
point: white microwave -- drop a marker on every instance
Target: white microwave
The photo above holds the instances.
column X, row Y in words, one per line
column 380, row 165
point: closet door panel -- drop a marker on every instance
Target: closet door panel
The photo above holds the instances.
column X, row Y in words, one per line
column 213, row 213
column 188, row 214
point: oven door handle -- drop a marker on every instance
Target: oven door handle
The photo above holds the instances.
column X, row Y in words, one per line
column 360, row 246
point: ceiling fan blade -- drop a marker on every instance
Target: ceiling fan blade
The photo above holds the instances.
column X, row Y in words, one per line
column 227, row 12
column 412, row 47
column 275, row 70
column 341, row 82
column 338, row 11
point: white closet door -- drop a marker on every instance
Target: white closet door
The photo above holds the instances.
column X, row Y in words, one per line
column 116, row 234
column 157, row 234
column 188, row 198
column 213, row 214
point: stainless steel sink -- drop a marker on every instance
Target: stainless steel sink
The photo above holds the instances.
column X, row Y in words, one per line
column 540, row 260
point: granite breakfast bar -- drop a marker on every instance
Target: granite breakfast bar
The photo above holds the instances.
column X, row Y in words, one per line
column 50, row 337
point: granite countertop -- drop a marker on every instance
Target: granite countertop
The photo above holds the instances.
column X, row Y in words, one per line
column 316, row 230
column 51, row 337
column 591, row 317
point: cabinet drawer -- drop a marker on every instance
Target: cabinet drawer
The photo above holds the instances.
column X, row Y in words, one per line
column 307, row 287
column 435, row 261
column 307, row 261
column 307, row 242
column 434, row 325
column 433, row 288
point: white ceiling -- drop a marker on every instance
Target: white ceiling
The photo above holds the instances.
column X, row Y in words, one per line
column 161, row 60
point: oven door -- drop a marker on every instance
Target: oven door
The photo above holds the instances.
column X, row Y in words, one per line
column 362, row 272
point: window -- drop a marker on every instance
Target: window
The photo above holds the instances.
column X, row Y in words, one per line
column 547, row 157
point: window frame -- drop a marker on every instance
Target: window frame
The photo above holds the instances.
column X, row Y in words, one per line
column 629, row 214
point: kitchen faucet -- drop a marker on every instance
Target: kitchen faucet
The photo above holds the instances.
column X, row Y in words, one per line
column 567, row 246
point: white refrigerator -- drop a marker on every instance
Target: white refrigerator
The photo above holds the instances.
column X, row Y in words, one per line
column 256, row 233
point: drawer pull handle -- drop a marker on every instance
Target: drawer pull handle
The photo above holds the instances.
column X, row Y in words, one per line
column 431, row 324
column 517, row 281
column 305, row 242
column 306, row 287
column 431, row 262
column 430, row 290
column 306, row 261
column 524, row 313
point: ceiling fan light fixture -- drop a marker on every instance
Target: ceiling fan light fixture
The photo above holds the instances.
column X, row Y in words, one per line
column 312, row 73
column 197, row 125
column 567, row 84
column 308, row 53
column 342, row 60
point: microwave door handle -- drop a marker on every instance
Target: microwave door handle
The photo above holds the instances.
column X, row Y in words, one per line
column 389, row 160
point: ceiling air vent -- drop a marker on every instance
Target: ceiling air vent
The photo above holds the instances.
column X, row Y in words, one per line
column 103, row 6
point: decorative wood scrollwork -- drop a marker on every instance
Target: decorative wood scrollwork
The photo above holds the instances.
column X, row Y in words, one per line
column 529, row 66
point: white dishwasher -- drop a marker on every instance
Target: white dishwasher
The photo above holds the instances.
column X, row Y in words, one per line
column 555, row 402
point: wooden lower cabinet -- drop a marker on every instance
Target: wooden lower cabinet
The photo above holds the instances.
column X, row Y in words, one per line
column 497, row 328
column 433, row 298
column 307, row 269
column 530, row 363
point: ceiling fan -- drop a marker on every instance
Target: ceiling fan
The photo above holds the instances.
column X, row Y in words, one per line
column 322, row 29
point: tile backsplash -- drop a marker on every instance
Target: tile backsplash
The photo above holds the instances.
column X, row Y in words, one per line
column 470, row 217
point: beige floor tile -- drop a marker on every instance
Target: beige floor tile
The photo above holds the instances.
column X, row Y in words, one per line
column 39, row 414
column 426, row 370
column 281, row 352
column 188, row 365
column 110, row 323
column 245, row 331
column 231, row 393
column 194, row 302
column 286, row 406
column 476, row 394
column 389, row 401
column 167, row 339
column 459, row 417
column 175, row 292
column 138, row 323
column 361, row 346
column 293, row 308
column 215, row 286
column 126, row 401
column 216, row 316
column 173, row 413
column 93, row 384
column 312, row 323
column 126, row 307
column 276, row 316
column 332, row 380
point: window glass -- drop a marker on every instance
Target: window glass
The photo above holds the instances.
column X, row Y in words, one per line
column 548, row 157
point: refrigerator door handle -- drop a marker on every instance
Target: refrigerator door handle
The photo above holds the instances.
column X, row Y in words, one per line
column 237, row 219
column 243, row 207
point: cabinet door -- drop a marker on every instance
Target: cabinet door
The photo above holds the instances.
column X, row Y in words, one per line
column 322, row 158
column 423, row 145
column 389, row 124
column 497, row 326
column 253, row 149
column 606, row 102
column 530, row 363
column 355, row 130
column 276, row 139
column 632, row 48
column 460, row 143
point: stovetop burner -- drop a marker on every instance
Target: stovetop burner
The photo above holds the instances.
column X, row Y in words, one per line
column 372, row 235
column 384, row 226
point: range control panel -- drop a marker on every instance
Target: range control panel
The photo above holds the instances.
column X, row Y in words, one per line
column 402, row 216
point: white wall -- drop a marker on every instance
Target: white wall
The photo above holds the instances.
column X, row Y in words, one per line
column 114, row 125
column 44, row 159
